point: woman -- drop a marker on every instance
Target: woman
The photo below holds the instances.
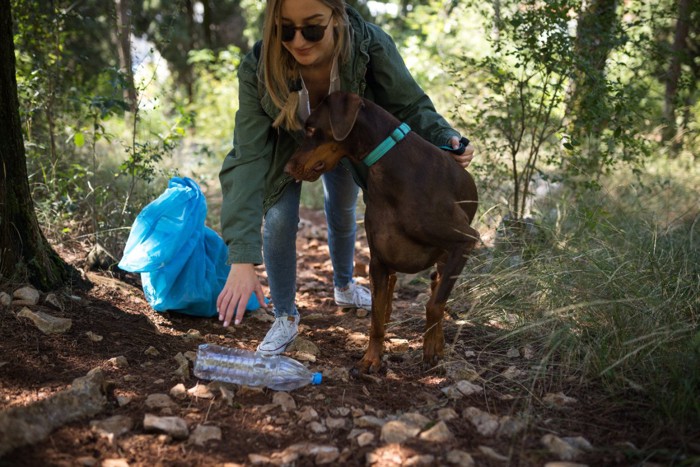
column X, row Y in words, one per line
column 310, row 48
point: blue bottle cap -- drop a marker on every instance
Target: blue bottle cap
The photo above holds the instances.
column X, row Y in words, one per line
column 316, row 378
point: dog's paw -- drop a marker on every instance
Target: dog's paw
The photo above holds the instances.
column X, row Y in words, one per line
column 366, row 366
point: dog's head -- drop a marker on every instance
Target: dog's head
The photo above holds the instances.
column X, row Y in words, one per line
column 327, row 137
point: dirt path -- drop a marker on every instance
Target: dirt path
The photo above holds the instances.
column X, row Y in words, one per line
column 406, row 416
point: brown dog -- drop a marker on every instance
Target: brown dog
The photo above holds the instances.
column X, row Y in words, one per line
column 419, row 206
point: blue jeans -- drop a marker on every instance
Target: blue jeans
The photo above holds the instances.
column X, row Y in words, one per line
column 280, row 232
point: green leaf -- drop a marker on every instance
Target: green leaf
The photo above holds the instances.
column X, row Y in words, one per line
column 79, row 139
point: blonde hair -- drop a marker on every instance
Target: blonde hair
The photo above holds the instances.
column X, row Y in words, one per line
column 279, row 66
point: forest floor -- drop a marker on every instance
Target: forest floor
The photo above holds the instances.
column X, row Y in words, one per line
column 406, row 415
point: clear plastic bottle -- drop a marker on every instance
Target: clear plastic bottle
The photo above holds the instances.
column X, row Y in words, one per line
column 239, row 366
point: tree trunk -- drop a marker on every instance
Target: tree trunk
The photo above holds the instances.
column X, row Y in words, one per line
column 207, row 25
column 24, row 252
column 124, row 49
column 678, row 56
column 594, row 41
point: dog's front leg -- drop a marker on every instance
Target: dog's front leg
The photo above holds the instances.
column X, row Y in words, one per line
column 381, row 289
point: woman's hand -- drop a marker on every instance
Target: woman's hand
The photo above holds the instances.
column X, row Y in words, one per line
column 466, row 157
column 240, row 284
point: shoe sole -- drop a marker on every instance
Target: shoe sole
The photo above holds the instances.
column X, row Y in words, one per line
column 352, row 305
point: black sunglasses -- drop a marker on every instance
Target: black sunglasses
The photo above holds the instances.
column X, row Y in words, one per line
column 311, row 32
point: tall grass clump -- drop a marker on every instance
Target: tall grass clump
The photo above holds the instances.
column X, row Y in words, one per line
column 607, row 285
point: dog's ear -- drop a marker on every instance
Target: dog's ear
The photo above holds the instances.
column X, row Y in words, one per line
column 344, row 108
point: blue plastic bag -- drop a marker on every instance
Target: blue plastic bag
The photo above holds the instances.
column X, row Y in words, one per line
column 182, row 262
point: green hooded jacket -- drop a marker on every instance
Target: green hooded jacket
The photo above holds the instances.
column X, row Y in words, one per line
column 252, row 176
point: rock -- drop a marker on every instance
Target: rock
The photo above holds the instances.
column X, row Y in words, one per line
column 151, row 352
column 304, row 357
column 307, row 414
column 513, row 353
column 5, row 299
column 112, row 427
column 492, row 454
column 566, row 449
column 424, row 459
column 45, row 322
column 420, row 420
column 94, row 337
column 509, row 426
column 324, row 454
column 159, row 401
column 461, row 458
column 447, row 414
column 87, row 461
column 369, row 421
column 439, row 433
column 573, row 464
column 365, row 438
column 200, row 391
column 193, row 335
column 285, row 401
column 461, row 389
column 121, row 462
column 398, row 431
column 123, row 400
column 513, row 372
column 227, row 394
column 204, row 433
column 558, row 400
column 178, row 391
column 183, row 370
column 361, row 313
column 52, row 299
column 341, row 411
column 304, row 345
column 527, row 352
column 317, row 427
column 485, row 423
column 335, row 423
column 398, row 345
column 119, row 362
column 84, row 398
column 173, row 426
column 258, row 459
column 28, row 295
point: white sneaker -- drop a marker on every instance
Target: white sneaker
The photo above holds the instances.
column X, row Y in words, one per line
column 281, row 334
column 353, row 295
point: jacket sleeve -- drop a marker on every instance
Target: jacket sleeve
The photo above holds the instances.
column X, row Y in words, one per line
column 397, row 92
column 242, row 175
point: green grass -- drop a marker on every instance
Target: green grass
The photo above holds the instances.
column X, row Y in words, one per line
column 609, row 289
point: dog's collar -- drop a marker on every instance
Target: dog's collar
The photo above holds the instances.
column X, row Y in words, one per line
column 397, row 135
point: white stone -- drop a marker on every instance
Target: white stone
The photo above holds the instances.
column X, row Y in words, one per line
column 561, row 448
column 94, row 337
column 369, row 421
column 112, row 427
column 173, row 426
column 492, row 454
column 28, row 295
column 151, row 352
column 460, row 458
column 179, row 391
column 398, row 431
column 447, row 414
column 5, row 299
column 365, row 438
column 558, row 399
column 204, row 433
column 284, row 400
column 485, row 423
column 461, row 389
column 439, row 433
column 45, row 322
column 200, row 391
column 159, row 401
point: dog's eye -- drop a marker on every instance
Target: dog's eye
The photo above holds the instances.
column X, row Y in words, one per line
column 310, row 131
